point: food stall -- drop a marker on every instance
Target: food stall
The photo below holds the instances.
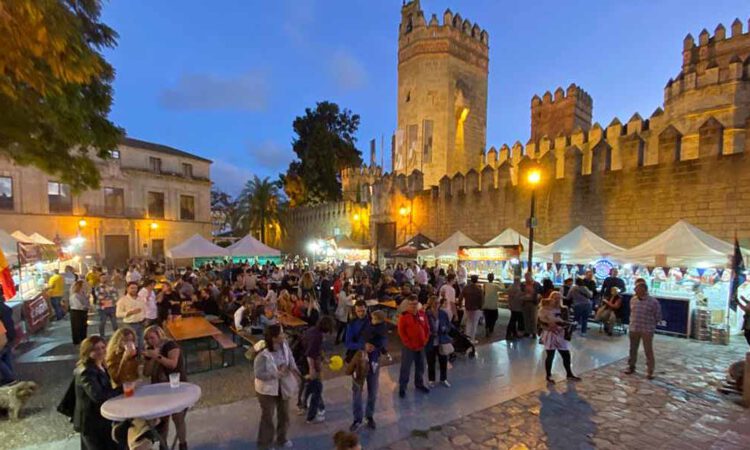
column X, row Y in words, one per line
column 686, row 269
column 250, row 250
column 337, row 249
column 506, row 269
column 446, row 253
column 500, row 260
column 573, row 253
column 408, row 251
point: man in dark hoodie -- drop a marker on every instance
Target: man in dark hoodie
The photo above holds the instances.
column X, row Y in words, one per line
column 365, row 367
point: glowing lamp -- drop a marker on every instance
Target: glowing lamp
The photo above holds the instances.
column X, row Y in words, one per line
column 403, row 211
column 154, row 225
column 82, row 223
column 534, row 177
column 356, row 217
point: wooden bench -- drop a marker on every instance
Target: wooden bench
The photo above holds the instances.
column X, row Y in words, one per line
column 251, row 339
column 226, row 344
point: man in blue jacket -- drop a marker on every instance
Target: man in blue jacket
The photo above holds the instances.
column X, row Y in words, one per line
column 356, row 330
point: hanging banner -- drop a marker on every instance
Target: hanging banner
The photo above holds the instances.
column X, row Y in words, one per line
column 29, row 253
column 498, row 253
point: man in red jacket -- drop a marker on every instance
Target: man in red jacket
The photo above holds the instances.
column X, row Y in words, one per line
column 414, row 330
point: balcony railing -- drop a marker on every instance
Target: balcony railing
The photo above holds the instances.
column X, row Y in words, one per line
column 102, row 211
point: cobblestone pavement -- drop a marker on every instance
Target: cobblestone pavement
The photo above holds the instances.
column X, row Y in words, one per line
column 679, row 410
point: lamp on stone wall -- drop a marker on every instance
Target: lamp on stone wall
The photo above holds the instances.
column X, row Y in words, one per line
column 534, row 177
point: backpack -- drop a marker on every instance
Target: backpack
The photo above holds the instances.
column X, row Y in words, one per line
column 298, row 353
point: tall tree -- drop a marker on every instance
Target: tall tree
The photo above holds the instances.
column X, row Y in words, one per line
column 224, row 212
column 325, row 144
column 56, row 87
column 259, row 204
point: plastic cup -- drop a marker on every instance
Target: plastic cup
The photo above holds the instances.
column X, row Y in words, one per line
column 128, row 388
column 174, row 380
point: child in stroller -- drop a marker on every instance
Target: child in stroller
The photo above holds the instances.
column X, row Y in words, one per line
column 461, row 345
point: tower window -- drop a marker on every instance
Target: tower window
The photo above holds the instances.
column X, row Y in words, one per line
column 408, row 96
column 410, row 24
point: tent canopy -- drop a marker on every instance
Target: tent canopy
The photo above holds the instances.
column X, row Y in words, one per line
column 410, row 248
column 22, row 237
column 509, row 236
column 39, row 239
column 580, row 246
column 196, row 247
column 249, row 246
column 684, row 245
column 345, row 242
column 449, row 247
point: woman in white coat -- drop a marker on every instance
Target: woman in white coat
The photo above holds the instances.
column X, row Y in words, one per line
column 276, row 381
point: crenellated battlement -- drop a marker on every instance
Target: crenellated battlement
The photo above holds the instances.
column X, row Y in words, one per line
column 573, row 92
column 561, row 112
column 413, row 20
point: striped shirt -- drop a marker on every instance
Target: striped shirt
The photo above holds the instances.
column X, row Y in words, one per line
column 645, row 314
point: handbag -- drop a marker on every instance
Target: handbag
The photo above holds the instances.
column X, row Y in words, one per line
column 569, row 329
column 446, row 349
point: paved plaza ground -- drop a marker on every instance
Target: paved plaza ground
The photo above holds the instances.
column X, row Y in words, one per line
column 498, row 400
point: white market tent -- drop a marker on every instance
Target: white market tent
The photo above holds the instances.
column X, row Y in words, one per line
column 449, row 247
column 684, row 245
column 580, row 246
column 251, row 247
column 22, row 237
column 509, row 236
column 197, row 247
column 39, row 239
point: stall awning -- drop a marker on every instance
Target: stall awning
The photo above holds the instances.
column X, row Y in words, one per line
column 251, row 247
column 683, row 245
column 9, row 244
column 449, row 247
column 197, row 247
column 580, row 246
column 509, row 236
column 39, row 239
column 410, row 248
column 343, row 241
column 21, row 237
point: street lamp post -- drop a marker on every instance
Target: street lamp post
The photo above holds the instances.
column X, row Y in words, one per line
column 534, row 177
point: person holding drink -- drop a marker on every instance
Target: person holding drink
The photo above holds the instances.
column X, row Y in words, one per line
column 122, row 360
column 132, row 311
column 164, row 362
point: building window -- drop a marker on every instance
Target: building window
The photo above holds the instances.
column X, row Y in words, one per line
column 60, row 200
column 187, row 170
column 115, row 154
column 6, row 193
column 156, row 205
column 154, row 164
column 187, row 207
column 114, row 201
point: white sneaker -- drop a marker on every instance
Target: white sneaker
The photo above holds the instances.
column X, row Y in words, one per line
column 317, row 419
column 287, row 444
column 445, row 383
column 321, row 413
column 430, row 384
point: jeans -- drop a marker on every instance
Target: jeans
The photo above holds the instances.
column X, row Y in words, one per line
column 315, row 391
column 103, row 315
column 57, row 306
column 648, row 347
column 433, row 353
column 137, row 327
column 530, row 311
column 7, row 375
column 582, row 311
column 270, row 404
column 472, row 322
column 372, row 394
column 515, row 325
column 407, row 358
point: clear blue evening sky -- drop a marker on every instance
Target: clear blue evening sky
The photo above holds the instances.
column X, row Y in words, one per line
column 225, row 79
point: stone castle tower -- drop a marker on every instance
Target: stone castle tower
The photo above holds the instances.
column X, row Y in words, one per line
column 561, row 114
column 442, row 94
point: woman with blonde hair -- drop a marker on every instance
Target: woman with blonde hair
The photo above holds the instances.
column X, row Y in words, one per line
column 164, row 357
column 307, row 285
column 284, row 302
column 122, row 357
column 92, row 389
column 553, row 335
column 79, row 310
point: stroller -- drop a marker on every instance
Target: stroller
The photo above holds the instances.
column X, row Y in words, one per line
column 461, row 345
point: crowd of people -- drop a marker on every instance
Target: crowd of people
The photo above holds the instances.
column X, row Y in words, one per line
column 434, row 306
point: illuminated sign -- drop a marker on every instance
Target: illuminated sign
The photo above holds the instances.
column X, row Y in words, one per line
column 499, row 253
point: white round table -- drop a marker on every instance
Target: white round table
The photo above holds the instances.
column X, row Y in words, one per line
column 151, row 401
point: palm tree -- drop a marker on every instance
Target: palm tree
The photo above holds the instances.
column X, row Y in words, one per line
column 259, row 205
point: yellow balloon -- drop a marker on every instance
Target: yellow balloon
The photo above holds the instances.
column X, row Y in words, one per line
column 336, row 363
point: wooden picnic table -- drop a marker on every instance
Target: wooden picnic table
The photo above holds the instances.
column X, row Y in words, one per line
column 187, row 328
column 289, row 321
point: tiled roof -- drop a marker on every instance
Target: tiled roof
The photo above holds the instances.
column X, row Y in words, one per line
column 131, row 142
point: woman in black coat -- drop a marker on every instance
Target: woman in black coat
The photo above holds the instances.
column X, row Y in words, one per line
column 93, row 388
